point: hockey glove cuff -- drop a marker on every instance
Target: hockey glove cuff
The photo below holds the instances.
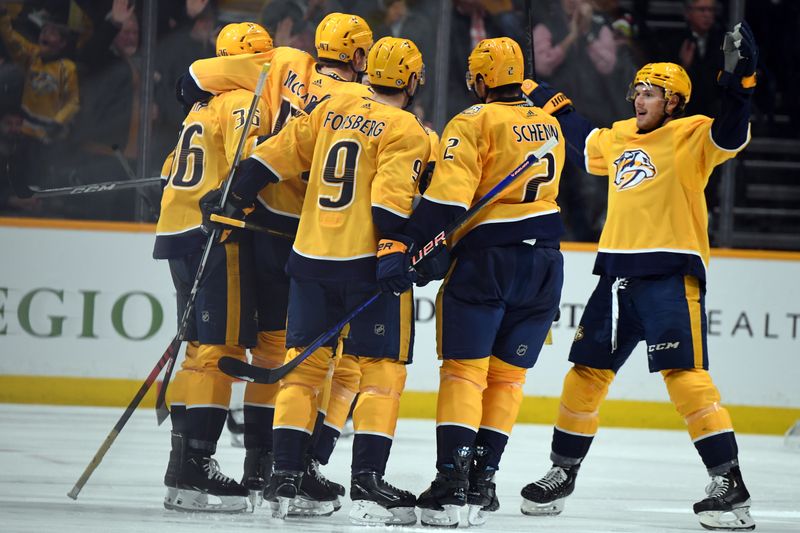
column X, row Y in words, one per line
column 250, row 177
column 234, row 207
column 434, row 265
column 544, row 96
column 394, row 272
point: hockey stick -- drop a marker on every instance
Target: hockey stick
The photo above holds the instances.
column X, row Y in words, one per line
column 530, row 61
column 250, row 226
column 24, row 191
column 161, row 405
column 247, row 372
column 171, row 353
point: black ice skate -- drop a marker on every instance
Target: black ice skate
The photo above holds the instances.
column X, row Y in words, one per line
column 176, row 498
column 546, row 496
column 284, row 486
column 482, row 495
column 377, row 503
column 257, row 471
column 442, row 501
column 202, row 487
column 727, row 506
column 316, row 495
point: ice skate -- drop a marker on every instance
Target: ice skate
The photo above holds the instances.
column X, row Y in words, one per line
column 257, row 471
column 482, row 494
column 284, row 486
column 178, row 499
column 377, row 503
column 727, row 506
column 442, row 502
column 316, row 495
column 546, row 496
column 202, row 487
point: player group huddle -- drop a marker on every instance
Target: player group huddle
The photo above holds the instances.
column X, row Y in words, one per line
column 347, row 196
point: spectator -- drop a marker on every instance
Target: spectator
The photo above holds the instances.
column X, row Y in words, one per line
column 696, row 48
column 575, row 47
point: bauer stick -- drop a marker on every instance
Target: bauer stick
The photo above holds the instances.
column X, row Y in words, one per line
column 530, row 61
column 244, row 371
column 236, row 223
column 171, row 353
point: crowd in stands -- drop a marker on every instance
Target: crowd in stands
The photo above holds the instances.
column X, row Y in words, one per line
column 71, row 76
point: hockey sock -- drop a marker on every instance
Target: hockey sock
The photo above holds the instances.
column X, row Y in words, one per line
column 344, row 387
column 258, row 426
column 177, row 416
column 449, row 438
column 495, row 442
column 289, row 445
column 326, row 442
column 578, row 414
column 204, row 424
column 370, row 453
column 698, row 401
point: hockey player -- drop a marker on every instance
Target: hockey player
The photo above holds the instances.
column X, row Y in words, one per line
column 652, row 262
column 364, row 157
column 342, row 42
column 500, row 297
column 224, row 315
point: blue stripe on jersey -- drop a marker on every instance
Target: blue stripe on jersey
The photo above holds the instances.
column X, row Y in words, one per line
column 174, row 246
column 646, row 264
column 546, row 227
column 269, row 219
column 324, row 270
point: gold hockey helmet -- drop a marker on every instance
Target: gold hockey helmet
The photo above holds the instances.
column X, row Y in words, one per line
column 243, row 38
column 392, row 61
column 339, row 35
column 669, row 76
column 499, row 62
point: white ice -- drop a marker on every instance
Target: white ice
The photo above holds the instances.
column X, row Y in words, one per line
column 632, row 481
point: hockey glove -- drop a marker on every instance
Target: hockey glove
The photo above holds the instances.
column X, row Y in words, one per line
column 433, row 266
column 740, row 53
column 544, row 96
column 394, row 272
column 250, row 177
column 234, row 207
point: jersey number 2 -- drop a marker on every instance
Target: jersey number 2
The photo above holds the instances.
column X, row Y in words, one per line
column 340, row 171
column 537, row 180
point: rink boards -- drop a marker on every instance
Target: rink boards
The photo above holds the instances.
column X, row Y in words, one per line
column 85, row 313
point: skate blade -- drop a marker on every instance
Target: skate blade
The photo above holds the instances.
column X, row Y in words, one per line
column 477, row 516
column 368, row 513
column 256, row 498
column 191, row 501
column 303, row 507
column 737, row 519
column 281, row 510
column 532, row 508
column 448, row 517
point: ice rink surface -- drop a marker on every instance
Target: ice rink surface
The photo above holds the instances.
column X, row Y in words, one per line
column 632, row 481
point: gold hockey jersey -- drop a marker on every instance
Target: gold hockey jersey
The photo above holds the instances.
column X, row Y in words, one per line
column 479, row 147
column 50, row 94
column 657, row 218
column 364, row 159
column 199, row 163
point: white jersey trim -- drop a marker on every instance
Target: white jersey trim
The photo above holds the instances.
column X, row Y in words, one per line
column 517, row 219
column 698, row 439
column 457, row 425
column 490, row 428
column 445, row 202
column 376, row 433
column 585, row 151
column 653, row 250
column 261, row 405
column 332, row 427
column 562, row 430
column 169, row 233
column 277, row 211
column 730, row 150
column 191, row 73
column 392, row 211
column 326, row 258
column 295, row 428
column 280, row 178
column 208, row 406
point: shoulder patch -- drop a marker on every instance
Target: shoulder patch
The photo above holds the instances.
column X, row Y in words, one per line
column 473, row 110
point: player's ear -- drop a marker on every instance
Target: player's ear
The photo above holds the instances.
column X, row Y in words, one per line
column 673, row 104
column 360, row 60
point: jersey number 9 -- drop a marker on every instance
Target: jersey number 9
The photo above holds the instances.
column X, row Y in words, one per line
column 340, row 171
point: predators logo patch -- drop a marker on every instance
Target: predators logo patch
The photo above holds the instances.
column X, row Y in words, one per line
column 633, row 168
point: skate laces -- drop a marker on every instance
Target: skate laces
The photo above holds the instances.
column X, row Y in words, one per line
column 718, row 487
column 318, row 474
column 553, row 479
column 212, row 470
